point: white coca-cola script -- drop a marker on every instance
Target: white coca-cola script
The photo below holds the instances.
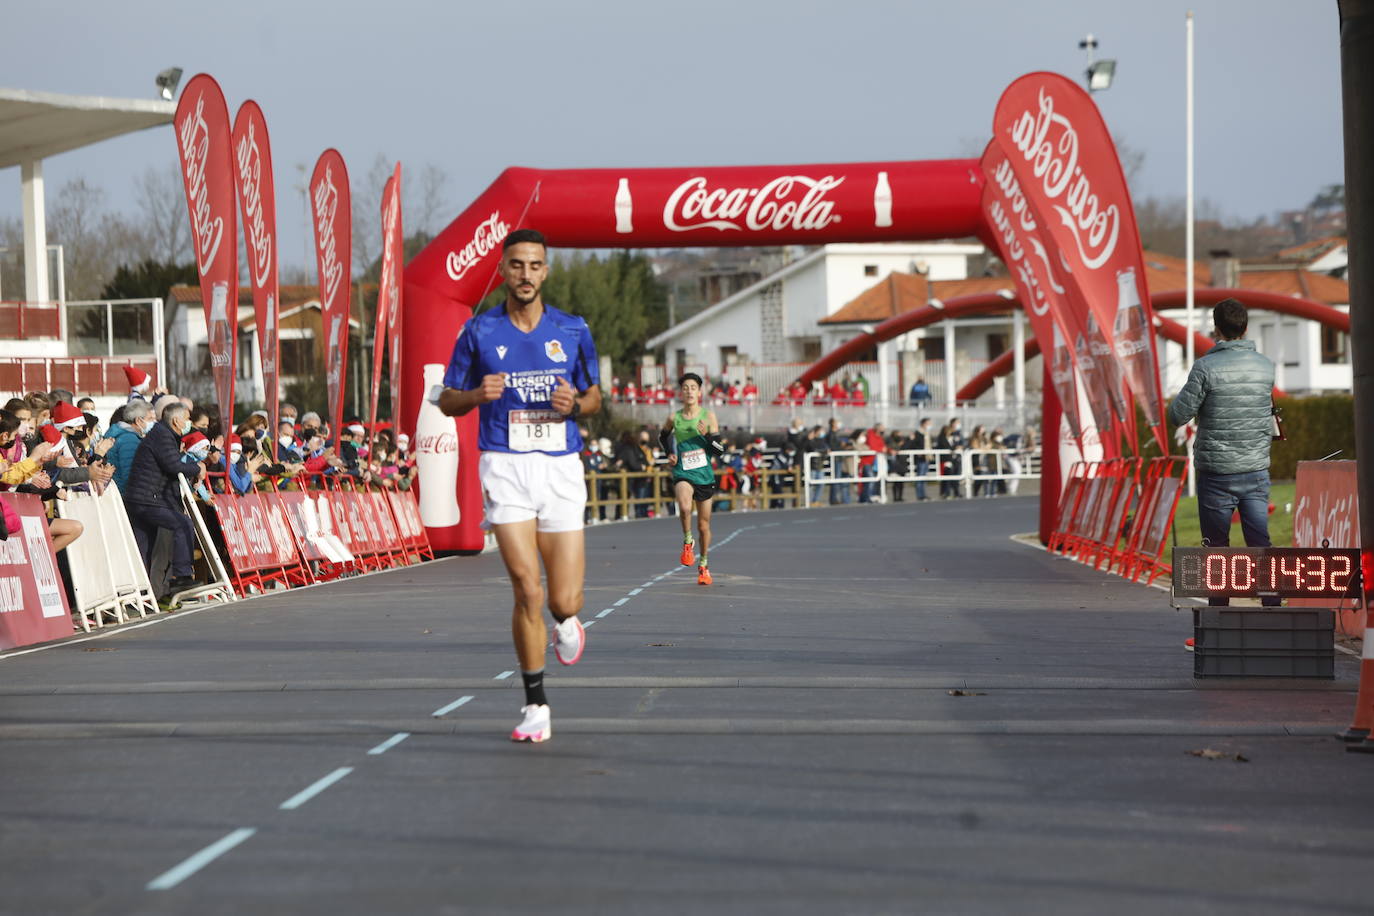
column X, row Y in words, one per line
column 259, row 240
column 774, row 206
column 485, row 239
column 326, row 205
column 194, row 134
column 1054, row 160
column 436, row 444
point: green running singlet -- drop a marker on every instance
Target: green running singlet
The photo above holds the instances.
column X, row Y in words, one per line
column 693, row 451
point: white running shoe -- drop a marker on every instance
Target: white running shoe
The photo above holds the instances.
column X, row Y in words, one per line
column 535, row 727
column 569, row 639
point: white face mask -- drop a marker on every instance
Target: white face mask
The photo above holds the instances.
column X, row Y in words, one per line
column 286, row 440
column 198, row 454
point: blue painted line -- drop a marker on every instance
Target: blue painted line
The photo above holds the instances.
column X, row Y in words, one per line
column 172, row 877
column 314, row 789
column 444, row 710
column 389, row 743
column 503, row 675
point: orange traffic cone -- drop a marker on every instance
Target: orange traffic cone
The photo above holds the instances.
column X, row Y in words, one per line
column 1358, row 736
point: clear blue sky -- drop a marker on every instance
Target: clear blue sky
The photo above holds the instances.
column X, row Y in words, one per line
column 476, row 87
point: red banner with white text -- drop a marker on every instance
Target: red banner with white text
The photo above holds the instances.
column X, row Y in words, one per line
column 258, row 207
column 203, row 142
column 331, row 205
column 1017, row 236
column 387, row 305
column 1062, row 152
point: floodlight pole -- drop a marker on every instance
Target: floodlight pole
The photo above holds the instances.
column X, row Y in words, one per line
column 1188, row 254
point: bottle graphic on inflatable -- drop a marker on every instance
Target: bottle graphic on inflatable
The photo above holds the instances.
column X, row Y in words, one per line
column 624, row 208
column 1108, row 367
column 882, row 202
column 436, row 455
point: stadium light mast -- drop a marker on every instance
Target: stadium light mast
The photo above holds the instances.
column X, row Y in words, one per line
column 1100, row 72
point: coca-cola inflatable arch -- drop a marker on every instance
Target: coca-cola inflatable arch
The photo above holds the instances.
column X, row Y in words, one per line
column 1059, row 161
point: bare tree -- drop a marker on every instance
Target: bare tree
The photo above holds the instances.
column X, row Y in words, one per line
column 367, row 215
column 94, row 242
column 161, row 197
column 429, row 212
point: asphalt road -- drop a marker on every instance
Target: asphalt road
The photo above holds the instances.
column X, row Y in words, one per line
column 785, row 741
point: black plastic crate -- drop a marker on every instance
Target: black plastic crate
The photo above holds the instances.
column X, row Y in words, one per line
column 1264, row 642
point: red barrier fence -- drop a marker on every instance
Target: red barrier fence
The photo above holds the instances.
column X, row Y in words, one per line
column 273, row 539
column 1116, row 514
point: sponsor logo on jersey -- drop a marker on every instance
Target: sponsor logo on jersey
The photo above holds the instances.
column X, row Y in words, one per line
column 553, row 349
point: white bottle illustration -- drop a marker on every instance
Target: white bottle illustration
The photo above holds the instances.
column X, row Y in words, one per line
column 1134, row 344
column 436, row 454
column 882, row 202
column 624, row 208
column 1061, row 373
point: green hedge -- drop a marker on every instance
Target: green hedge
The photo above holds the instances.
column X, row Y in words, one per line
column 1316, row 426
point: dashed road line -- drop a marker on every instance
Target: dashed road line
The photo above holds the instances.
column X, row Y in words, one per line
column 174, row 876
column 621, row 601
column 604, row 613
column 445, row 710
column 636, row 591
column 503, row 675
column 315, row 788
column 391, row 742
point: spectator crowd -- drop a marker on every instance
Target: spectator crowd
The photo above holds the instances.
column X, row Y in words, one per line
column 53, row 444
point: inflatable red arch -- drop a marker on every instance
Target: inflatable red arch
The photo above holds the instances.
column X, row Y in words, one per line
column 643, row 208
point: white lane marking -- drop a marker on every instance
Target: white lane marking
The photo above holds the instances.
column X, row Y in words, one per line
column 806, row 521
column 389, row 743
column 172, row 877
column 588, row 623
column 445, row 710
column 636, row 591
column 603, row 613
column 649, row 583
column 621, row 601
column 315, row 788
column 503, row 675
column 840, row 518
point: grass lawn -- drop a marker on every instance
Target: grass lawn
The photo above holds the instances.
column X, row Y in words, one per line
column 1280, row 521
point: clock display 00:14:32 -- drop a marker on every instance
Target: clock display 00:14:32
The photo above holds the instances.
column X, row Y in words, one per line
column 1291, row 572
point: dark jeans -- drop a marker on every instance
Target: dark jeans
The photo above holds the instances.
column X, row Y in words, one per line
column 922, row 469
column 1218, row 497
column 146, row 520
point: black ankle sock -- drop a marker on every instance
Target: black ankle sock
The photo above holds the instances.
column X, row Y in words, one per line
column 534, row 688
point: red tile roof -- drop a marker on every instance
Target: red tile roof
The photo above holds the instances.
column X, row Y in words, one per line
column 895, row 294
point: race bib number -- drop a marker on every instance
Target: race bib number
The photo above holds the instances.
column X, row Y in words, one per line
column 537, row 431
column 693, row 458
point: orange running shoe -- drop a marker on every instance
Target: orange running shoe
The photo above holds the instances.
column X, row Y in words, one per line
column 703, row 576
column 688, row 557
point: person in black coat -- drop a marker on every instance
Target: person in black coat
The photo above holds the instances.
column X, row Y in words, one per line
column 153, row 497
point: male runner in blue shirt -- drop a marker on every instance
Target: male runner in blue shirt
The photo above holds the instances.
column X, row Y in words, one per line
column 531, row 370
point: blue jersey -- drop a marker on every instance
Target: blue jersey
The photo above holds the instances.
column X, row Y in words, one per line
column 523, row 418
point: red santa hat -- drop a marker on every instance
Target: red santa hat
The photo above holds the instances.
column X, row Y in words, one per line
column 138, row 379
column 53, row 436
column 192, row 439
column 65, row 415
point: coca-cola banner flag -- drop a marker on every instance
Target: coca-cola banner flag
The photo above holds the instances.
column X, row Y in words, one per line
column 395, row 239
column 203, row 141
column 1063, row 154
column 330, row 202
column 258, row 207
column 1015, row 235
column 386, row 296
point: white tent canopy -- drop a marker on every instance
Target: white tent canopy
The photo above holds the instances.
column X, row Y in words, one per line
column 35, row 125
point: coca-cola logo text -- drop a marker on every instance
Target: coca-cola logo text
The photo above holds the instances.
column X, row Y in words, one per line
column 692, row 206
column 436, row 443
column 1055, row 162
column 485, row 238
column 326, row 198
column 194, row 134
column 259, row 240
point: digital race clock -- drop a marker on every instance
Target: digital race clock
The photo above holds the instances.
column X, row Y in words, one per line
column 1253, row 572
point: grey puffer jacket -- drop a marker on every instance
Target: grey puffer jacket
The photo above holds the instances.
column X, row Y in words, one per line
column 1230, row 391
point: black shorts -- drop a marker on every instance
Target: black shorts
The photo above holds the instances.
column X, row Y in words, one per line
column 701, row 492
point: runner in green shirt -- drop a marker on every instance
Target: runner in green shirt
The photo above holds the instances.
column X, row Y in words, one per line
column 691, row 439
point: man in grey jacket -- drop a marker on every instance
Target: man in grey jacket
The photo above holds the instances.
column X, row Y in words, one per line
column 1230, row 391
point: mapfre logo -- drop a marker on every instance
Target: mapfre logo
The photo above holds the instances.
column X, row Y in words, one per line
column 788, row 202
column 485, row 239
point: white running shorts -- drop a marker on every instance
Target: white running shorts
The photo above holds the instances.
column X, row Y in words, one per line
column 517, row 487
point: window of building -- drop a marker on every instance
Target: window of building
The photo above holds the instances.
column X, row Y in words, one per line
column 997, row 345
column 1335, row 346
column 870, row 270
column 932, row 347
column 727, row 354
column 297, row 356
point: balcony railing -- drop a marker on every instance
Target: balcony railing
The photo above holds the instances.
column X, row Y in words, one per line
column 85, row 375
column 30, row 320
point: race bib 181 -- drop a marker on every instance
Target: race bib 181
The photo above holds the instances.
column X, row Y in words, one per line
column 537, row 431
